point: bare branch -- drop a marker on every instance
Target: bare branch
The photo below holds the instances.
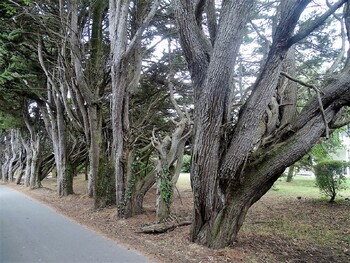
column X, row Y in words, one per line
column 343, row 46
column 318, row 92
column 141, row 29
column 301, row 82
column 311, row 26
column 171, row 84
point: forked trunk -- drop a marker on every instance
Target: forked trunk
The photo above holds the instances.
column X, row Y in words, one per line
column 135, row 193
column 226, row 221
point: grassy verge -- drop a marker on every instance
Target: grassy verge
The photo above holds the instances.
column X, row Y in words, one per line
column 304, row 186
column 297, row 215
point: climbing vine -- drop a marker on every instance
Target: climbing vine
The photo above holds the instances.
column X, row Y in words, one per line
column 166, row 186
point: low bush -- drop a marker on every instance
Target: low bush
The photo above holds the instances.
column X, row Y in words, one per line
column 330, row 177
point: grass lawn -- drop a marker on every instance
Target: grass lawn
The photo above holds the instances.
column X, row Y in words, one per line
column 295, row 219
column 304, row 186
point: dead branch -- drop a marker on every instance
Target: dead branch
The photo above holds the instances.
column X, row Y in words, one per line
column 319, row 99
column 163, row 227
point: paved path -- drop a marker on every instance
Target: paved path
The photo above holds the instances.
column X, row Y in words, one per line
column 32, row 232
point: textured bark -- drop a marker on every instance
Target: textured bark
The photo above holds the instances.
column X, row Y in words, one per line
column 121, row 50
column 54, row 120
column 35, row 146
column 229, row 171
column 169, row 163
column 164, row 227
column 135, row 193
column 14, row 151
column 5, row 165
column 63, row 168
column 28, row 162
column 21, row 167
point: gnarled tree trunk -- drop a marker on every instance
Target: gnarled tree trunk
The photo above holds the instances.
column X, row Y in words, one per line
column 230, row 171
column 121, row 50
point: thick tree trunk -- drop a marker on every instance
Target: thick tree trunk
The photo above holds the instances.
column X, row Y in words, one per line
column 121, row 51
column 35, row 145
column 21, row 166
column 28, row 163
column 232, row 167
column 6, row 163
column 259, row 174
column 101, row 183
column 118, row 14
column 14, row 152
column 94, row 150
column 165, row 191
column 135, row 195
column 63, row 167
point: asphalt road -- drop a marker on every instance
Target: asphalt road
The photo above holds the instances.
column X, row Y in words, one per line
column 32, row 232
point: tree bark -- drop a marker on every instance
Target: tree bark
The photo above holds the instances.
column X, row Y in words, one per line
column 290, row 174
column 35, row 163
column 22, row 164
column 121, row 50
column 14, row 151
column 28, row 162
column 6, row 163
column 229, row 171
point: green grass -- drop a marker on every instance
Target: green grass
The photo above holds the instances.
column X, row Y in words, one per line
column 309, row 224
column 303, row 186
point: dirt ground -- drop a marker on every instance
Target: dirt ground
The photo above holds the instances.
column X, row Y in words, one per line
column 277, row 229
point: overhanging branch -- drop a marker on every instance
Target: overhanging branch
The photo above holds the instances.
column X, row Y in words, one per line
column 304, row 32
column 319, row 99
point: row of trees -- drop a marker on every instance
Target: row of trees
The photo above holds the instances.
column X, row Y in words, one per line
column 105, row 86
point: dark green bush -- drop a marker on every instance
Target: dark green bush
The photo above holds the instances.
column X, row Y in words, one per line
column 330, row 177
column 186, row 164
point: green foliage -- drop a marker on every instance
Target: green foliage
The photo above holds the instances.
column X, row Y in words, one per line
column 141, row 165
column 186, row 164
column 321, row 151
column 20, row 74
column 330, row 177
column 166, row 186
column 9, row 10
column 8, row 122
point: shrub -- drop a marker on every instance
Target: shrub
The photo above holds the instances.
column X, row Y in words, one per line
column 186, row 164
column 330, row 177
